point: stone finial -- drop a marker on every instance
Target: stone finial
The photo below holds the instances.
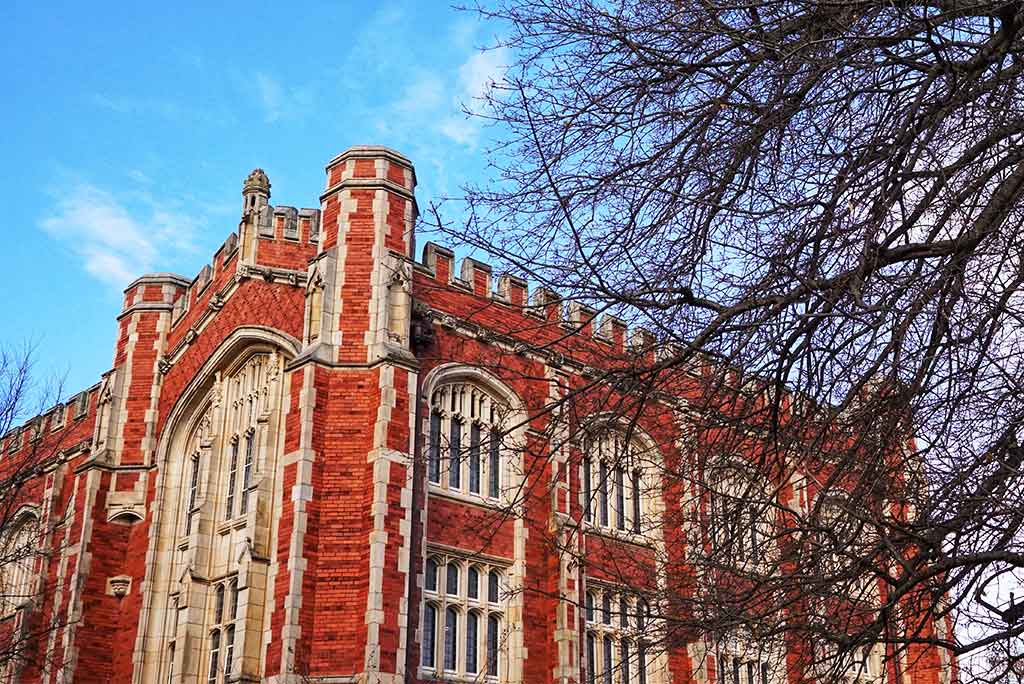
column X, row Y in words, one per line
column 257, row 180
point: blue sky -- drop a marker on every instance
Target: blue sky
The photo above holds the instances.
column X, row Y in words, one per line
column 128, row 129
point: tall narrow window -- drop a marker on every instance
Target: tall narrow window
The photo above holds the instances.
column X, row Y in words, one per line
column 494, row 466
column 636, row 501
column 606, row 609
column 602, row 484
column 624, row 662
column 229, row 651
column 641, row 662
column 472, row 633
column 492, row 646
column 246, row 474
column 764, row 673
column 606, row 669
column 214, row 657
column 193, row 493
column 452, row 580
column 750, row 672
column 451, row 629
column 590, row 607
column 431, row 575
column 473, row 583
column 229, row 499
column 591, row 660
column 455, row 456
column 492, row 587
column 218, row 611
column 434, row 452
column 429, row 634
column 620, row 499
column 234, row 600
column 587, row 492
column 735, row 671
column 474, row 458
column 623, row 612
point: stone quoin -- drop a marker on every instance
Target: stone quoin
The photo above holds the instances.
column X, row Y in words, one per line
column 266, row 487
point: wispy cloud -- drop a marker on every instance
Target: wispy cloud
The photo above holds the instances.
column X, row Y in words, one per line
column 282, row 102
column 477, row 75
column 165, row 108
column 117, row 238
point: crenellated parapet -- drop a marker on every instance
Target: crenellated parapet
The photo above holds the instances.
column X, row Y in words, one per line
column 547, row 309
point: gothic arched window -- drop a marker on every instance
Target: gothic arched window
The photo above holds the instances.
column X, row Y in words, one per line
column 465, row 445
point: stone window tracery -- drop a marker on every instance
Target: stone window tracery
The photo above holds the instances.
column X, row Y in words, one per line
column 464, row 441
column 462, row 621
column 222, row 465
column 615, row 482
column 615, row 648
column 18, row 551
column 745, row 660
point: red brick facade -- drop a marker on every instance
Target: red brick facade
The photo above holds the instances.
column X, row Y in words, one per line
column 297, row 373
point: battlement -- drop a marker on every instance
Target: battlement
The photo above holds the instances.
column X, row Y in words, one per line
column 476, row 278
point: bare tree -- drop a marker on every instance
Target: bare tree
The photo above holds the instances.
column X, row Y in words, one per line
column 33, row 438
column 815, row 210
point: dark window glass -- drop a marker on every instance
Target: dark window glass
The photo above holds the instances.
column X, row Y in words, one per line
column 492, row 646
column 606, row 609
column 429, row 634
column 474, row 459
column 455, row 456
column 494, row 469
column 471, row 637
column 587, row 491
column 591, row 660
column 492, row 587
column 606, row 670
column 473, row 583
column 624, row 662
column 735, row 671
column 641, row 663
column 451, row 630
column 620, row 499
column 434, row 453
column 431, row 575
column 218, row 610
column 623, row 612
column 452, row 582
column 246, row 474
column 590, row 607
column 602, row 485
column 636, row 501
column 193, row 494
column 229, row 504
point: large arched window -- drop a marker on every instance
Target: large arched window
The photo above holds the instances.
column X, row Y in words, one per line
column 618, row 482
column 462, row 621
column 18, row 555
column 220, row 459
column 465, row 445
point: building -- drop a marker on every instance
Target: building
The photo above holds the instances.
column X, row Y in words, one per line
column 321, row 460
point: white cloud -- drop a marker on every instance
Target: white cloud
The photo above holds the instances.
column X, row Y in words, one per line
column 269, row 92
column 477, row 75
column 482, row 70
column 117, row 239
column 279, row 102
column 425, row 93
